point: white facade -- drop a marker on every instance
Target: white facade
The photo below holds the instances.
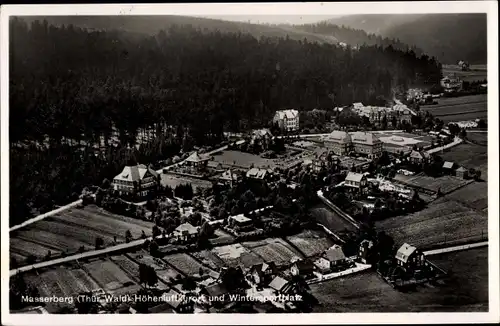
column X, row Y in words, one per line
column 287, row 119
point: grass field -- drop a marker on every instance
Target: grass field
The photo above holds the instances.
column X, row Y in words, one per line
column 311, row 242
column 245, row 160
column 465, row 291
column 459, row 108
column 209, row 259
column 164, row 271
column 72, row 229
column 111, row 277
column 469, row 156
column 184, row 263
column 446, row 183
column 175, row 180
column 444, row 222
column 476, row 72
column 474, row 195
column 273, row 250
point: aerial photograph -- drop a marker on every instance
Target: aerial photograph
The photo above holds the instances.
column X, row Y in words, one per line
column 248, row 164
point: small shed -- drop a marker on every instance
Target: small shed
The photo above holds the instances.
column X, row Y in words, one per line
column 448, row 167
column 461, row 172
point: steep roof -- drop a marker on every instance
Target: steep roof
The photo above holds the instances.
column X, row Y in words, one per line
column 195, row 158
column 278, row 283
column 135, row 173
column 262, row 133
column 216, row 289
column 366, row 138
column 186, row 227
column 288, row 114
column 339, row 137
column 461, row 169
column 256, row 173
column 229, row 176
column 419, row 154
column 353, row 176
column 404, row 252
column 335, row 253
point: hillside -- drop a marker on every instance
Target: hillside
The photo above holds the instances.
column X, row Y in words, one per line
column 449, row 37
column 151, row 25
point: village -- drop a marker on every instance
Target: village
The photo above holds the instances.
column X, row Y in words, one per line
column 235, row 221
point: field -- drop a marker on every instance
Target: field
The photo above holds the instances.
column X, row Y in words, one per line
column 209, row 259
column 221, row 238
column 322, row 214
column 236, row 255
column 163, row 270
column 72, row 229
column 46, row 290
column 126, row 264
column 184, row 263
column 474, row 195
column 476, row 72
column 111, row 277
column 445, row 183
column 465, row 291
column 469, row 156
column 444, row 222
column 243, row 160
column 460, row 108
column 311, row 242
column 273, row 250
column 173, row 181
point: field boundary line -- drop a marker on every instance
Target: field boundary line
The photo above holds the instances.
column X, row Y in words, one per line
column 456, row 248
column 45, row 215
column 337, row 209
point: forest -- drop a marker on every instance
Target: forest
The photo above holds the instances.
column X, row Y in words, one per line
column 184, row 84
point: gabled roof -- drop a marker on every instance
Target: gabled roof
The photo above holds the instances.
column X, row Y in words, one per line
column 361, row 137
column 335, row 253
column 186, row 227
column 419, row 154
column 240, row 218
column 229, row 176
column 448, row 165
column 195, row 158
column 262, row 267
column 278, row 283
column 216, row 289
column 304, row 265
column 261, row 133
column 339, row 136
column 135, row 173
column 256, row 173
column 461, row 169
column 353, row 176
column 288, row 114
column 175, row 299
column 404, row 252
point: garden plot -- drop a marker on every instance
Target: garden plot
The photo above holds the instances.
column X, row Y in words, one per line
column 26, row 248
column 164, row 271
column 47, row 290
column 446, row 183
column 474, row 195
column 209, row 259
column 469, row 156
column 53, row 240
column 110, row 276
column 274, row 250
column 173, row 181
column 236, row 255
column 184, row 263
column 126, row 264
column 311, row 242
column 444, row 222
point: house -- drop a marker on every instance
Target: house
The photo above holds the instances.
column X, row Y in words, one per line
column 448, row 167
column 240, row 222
column 261, row 137
column 197, row 161
column 185, row 232
column 461, row 172
column 324, row 161
column 323, row 265
column 464, row 65
column 409, row 257
column 365, row 251
column 229, row 177
column 339, row 141
column 366, row 143
column 336, row 257
column 451, row 84
column 138, row 180
column 302, row 267
column 262, row 273
column 258, row 174
column 287, row 120
column 282, row 286
column 419, row 157
column 179, row 303
column 356, row 181
column 214, row 165
column 217, row 294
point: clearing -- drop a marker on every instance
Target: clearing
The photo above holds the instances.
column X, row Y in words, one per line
column 311, row 242
column 459, row 108
column 184, row 263
column 111, row 277
column 446, row 183
column 273, row 250
column 470, row 156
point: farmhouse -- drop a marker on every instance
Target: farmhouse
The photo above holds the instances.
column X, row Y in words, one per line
column 185, row 232
column 287, row 120
column 323, row 265
column 409, row 257
column 336, row 257
column 452, row 84
column 281, row 285
column 240, row 222
column 356, row 181
column 302, row 267
column 419, row 157
column 461, row 172
column 138, row 180
column 197, row 161
column 262, row 273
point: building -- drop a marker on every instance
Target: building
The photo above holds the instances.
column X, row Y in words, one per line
column 240, row 223
column 197, row 161
column 451, row 84
column 229, row 178
column 366, row 143
column 282, row 286
column 324, row 161
column 365, row 251
column 464, row 65
column 448, row 167
column 180, row 303
column 339, row 142
column 287, row 120
column 258, row 174
column 336, row 258
column 263, row 273
column 462, row 172
column 214, row 165
column 323, row 265
column 217, row 293
column 261, row 137
column 419, row 157
column 302, row 267
column 409, row 257
column 138, row 180
column 185, row 232
column 356, row 181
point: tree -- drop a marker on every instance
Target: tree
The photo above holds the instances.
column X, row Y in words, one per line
column 128, row 236
column 156, row 231
column 143, row 235
column 105, row 184
column 153, row 248
column 99, row 242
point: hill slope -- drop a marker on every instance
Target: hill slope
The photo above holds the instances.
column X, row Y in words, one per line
column 151, row 25
column 374, row 24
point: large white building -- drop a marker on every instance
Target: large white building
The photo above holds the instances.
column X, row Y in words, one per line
column 344, row 143
column 287, row 120
column 137, row 180
column 375, row 114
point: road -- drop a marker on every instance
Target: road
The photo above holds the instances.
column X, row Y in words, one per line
column 456, row 141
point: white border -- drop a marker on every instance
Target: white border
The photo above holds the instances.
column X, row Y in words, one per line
column 490, row 7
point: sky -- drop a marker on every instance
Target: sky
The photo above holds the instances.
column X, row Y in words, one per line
column 275, row 19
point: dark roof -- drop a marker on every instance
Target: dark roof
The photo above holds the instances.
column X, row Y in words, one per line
column 335, row 253
column 304, row 265
column 216, row 289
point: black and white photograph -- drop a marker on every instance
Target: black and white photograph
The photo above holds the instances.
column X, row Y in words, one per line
column 249, row 162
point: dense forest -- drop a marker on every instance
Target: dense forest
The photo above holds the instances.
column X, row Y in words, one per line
column 186, row 85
